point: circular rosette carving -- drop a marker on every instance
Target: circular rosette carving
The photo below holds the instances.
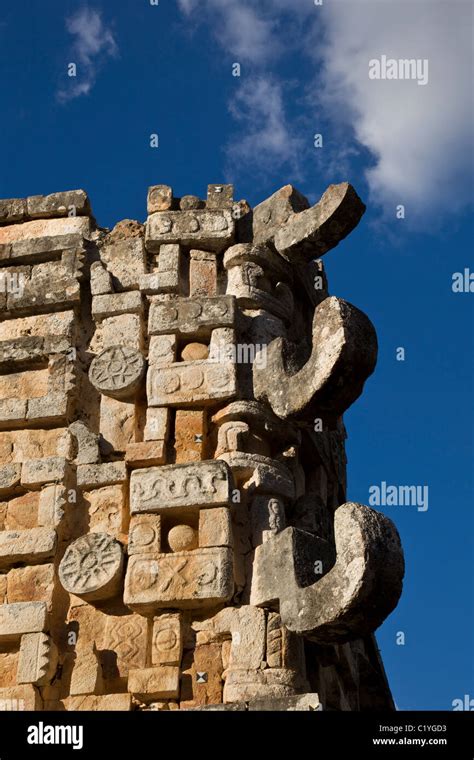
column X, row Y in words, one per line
column 117, row 371
column 92, row 567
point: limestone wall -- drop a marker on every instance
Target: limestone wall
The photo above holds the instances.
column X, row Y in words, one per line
column 174, row 532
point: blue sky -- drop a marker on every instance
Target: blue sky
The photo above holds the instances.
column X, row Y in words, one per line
column 167, row 69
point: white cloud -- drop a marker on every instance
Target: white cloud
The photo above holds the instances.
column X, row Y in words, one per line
column 266, row 137
column 246, row 33
column 249, row 33
column 419, row 137
column 93, row 43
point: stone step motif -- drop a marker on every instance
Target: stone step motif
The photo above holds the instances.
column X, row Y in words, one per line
column 174, row 529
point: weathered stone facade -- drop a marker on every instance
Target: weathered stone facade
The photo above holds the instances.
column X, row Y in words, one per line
column 174, row 531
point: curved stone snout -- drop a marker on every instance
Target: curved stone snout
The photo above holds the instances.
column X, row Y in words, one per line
column 344, row 355
column 354, row 597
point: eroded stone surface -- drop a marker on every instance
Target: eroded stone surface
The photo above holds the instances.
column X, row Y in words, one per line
column 117, row 371
column 171, row 532
column 191, row 317
column 176, row 487
column 350, row 599
column 92, row 567
column 184, row 580
column 344, row 355
column 213, row 229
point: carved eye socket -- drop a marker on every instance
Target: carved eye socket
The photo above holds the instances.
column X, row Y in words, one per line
column 144, row 574
column 142, row 535
column 164, row 225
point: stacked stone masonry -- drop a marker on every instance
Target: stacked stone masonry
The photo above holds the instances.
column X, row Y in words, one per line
column 174, row 530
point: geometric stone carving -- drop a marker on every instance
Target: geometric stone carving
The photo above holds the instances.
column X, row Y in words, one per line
column 344, row 355
column 260, row 473
column 246, row 624
column 144, row 534
column 191, row 318
column 92, row 567
column 189, row 447
column 213, row 230
column 38, row 659
column 354, row 597
column 167, row 640
column 184, row 580
column 160, row 489
column 189, row 383
column 117, row 371
column 126, row 637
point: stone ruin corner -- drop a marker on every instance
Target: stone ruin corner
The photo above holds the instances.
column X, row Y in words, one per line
column 174, row 526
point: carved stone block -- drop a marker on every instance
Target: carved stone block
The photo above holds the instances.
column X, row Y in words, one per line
column 189, row 383
column 215, row 527
column 92, row 567
column 167, row 639
column 144, row 534
column 148, row 684
column 184, row 580
column 191, row 318
column 117, row 371
column 28, row 546
column 160, row 489
column 160, row 198
column 126, row 643
column 96, row 475
column 35, row 472
column 211, row 230
column 38, row 659
column 20, row 618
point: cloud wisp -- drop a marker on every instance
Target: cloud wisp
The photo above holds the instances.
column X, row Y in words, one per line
column 267, row 136
column 418, row 139
column 93, row 43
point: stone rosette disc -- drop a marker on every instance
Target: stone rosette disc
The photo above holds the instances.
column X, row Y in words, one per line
column 92, row 567
column 117, row 371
